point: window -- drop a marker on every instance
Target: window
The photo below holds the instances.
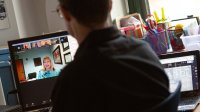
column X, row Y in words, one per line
column 176, row 9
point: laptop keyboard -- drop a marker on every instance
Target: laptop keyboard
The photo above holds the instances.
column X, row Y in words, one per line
column 47, row 109
column 188, row 103
column 44, row 110
column 191, row 100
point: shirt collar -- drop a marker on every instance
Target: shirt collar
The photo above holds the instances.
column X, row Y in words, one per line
column 97, row 37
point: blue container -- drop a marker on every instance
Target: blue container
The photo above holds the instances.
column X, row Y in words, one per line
column 158, row 42
column 7, row 77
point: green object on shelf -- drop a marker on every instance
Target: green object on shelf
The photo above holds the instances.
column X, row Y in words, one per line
column 139, row 6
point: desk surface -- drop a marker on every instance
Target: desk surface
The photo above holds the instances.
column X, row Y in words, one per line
column 7, row 108
column 197, row 108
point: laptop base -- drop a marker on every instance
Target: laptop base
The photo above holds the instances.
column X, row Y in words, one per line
column 7, row 108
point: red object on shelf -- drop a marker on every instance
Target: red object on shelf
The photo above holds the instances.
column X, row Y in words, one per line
column 132, row 31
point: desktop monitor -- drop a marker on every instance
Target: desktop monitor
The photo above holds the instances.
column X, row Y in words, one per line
column 182, row 66
column 190, row 25
column 36, row 63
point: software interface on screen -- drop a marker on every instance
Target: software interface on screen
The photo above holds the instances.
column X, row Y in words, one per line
column 184, row 69
column 37, row 63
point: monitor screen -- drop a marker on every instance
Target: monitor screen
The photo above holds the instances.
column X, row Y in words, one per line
column 36, row 62
column 190, row 25
column 183, row 67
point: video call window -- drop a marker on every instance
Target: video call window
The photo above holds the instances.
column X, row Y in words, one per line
column 41, row 59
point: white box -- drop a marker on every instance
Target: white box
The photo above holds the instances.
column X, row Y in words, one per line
column 191, row 42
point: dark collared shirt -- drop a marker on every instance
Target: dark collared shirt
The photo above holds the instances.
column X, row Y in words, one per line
column 110, row 73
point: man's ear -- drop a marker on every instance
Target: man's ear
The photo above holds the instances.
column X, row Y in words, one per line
column 110, row 5
column 66, row 14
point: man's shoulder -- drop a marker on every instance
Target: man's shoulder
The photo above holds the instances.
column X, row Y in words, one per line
column 75, row 67
column 124, row 46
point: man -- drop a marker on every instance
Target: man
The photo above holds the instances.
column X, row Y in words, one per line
column 110, row 72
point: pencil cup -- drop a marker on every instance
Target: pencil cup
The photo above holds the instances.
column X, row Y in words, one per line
column 157, row 41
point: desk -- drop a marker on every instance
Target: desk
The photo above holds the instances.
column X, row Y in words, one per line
column 9, row 108
column 197, row 108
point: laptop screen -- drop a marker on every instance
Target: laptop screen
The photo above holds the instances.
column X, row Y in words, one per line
column 182, row 66
column 36, row 62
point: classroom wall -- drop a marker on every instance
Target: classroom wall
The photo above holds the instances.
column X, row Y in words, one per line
column 31, row 17
column 119, row 9
column 11, row 32
column 56, row 23
column 35, row 17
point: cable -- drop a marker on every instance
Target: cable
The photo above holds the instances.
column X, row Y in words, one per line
column 7, row 102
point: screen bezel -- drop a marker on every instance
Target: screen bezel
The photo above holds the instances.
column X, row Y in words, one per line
column 185, row 53
column 14, row 68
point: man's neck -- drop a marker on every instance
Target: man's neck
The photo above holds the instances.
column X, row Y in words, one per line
column 83, row 31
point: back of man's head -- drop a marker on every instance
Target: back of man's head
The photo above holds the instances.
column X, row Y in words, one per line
column 88, row 12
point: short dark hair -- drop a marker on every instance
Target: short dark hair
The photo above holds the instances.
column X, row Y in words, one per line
column 87, row 12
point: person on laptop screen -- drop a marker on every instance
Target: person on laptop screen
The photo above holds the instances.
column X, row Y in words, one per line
column 110, row 72
column 48, row 69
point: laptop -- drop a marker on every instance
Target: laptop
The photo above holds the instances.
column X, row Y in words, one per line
column 184, row 67
column 29, row 58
